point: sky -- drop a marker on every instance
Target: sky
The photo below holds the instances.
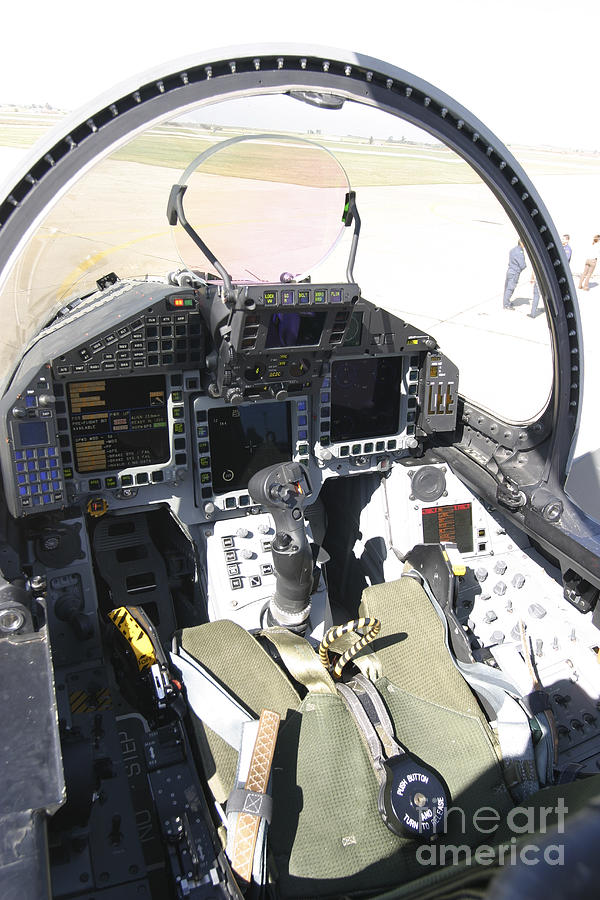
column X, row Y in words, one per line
column 526, row 68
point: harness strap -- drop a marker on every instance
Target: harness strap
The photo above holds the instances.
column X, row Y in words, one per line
column 300, row 660
column 378, row 715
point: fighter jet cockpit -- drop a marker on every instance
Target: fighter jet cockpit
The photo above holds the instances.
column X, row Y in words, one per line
column 292, row 587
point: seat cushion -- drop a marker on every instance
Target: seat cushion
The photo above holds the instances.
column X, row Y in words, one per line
column 326, row 835
column 240, row 664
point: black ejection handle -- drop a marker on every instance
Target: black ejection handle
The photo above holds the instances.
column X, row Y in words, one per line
column 283, row 490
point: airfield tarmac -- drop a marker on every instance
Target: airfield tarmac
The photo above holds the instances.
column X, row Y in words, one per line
column 435, row 254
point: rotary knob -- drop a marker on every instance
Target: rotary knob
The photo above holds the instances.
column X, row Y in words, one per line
column 234, row 395
column 323, row 454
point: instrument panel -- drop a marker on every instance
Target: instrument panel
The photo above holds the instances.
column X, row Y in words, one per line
column 176, row 396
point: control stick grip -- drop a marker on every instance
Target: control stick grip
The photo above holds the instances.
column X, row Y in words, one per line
column 283, row 490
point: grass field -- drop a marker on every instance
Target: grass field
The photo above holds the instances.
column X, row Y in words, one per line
column 368, row 163
column 375, row 165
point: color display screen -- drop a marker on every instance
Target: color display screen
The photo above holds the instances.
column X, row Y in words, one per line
column 295, row 329
column 452, row 524
column 244, row 439
column 119, row 423
column 365, row 398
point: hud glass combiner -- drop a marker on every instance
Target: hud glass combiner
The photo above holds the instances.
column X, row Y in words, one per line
column 284, row 209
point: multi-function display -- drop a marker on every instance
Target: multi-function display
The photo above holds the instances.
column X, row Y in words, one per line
column 118, row 423
column 452, row 523
column 244, row 439
column 365, row 397
column 295, row 329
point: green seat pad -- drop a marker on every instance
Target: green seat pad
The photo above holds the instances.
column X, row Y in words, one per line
column 327, row 837
column 241, row 665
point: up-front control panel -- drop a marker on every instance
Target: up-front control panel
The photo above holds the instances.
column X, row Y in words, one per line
column 278, row 335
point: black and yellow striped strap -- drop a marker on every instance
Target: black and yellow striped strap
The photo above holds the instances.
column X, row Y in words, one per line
column 373, row 627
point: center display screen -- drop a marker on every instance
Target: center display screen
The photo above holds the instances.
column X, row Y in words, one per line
column 244, row 439
column 118, row 423
column 365, row 397
column 295, row 329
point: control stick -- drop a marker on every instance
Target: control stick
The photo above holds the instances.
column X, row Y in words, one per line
column 283, row 490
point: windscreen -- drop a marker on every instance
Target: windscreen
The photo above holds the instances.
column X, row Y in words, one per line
column 434, row 247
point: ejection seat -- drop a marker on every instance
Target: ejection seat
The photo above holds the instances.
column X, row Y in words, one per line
column 326, row 835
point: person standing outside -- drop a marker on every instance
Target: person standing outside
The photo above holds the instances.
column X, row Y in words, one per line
column 536, row 298
column 516, row 264
column 567, row 247
column 590, row 264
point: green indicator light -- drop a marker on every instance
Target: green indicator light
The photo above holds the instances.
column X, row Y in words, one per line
column 178, row 428
column 159, row 425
